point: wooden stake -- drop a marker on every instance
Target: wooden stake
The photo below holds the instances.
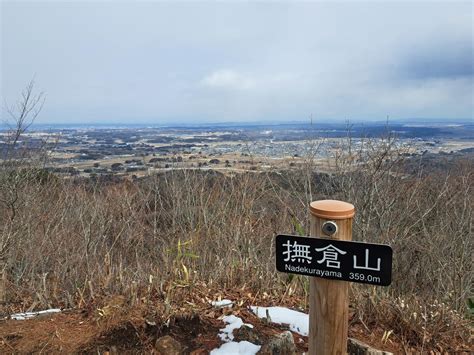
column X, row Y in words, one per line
column 329, row 299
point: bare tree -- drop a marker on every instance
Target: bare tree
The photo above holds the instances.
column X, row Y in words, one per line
column 15, row 152
column 15, row 156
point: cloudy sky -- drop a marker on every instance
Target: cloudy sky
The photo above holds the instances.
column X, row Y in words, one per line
column 161, row 62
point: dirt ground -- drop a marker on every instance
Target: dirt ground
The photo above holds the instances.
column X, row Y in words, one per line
column 77, row 332
column 119, row 329
column 116, row 325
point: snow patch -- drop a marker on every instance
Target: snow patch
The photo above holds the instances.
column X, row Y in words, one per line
column 28, row 315
column 234, row 348
column 297, row 321
column 223, row 303
column 233, row 322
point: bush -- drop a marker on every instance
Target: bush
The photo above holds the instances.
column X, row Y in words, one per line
column 70, row 241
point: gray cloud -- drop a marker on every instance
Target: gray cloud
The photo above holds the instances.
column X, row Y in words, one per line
column 164, row 62
column 443, row 60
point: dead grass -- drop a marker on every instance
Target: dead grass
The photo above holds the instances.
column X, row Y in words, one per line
column 75, row 244
column 190, row 319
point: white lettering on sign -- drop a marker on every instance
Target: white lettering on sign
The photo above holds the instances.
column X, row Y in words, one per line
column 366, row 267
column 297, row 251
column 334, row 259
column 315, row 272
column 330, row 254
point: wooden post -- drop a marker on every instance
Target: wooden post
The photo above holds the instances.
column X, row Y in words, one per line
column 329, row 299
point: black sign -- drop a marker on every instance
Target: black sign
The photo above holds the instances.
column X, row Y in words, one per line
column 335, row 259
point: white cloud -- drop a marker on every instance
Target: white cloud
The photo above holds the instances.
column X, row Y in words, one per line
column 228, row 79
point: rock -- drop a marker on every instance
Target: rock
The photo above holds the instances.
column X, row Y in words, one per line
column 281, row 344
column 168, row 346
column 356, row 347
column 246, row 333
column 201, row 351
column 112, row 351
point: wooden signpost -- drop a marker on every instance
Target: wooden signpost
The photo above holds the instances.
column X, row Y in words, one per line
column 334, row 260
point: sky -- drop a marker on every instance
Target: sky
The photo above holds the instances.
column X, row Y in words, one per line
column 190, row 62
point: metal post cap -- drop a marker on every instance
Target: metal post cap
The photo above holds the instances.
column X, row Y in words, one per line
column 332, row 209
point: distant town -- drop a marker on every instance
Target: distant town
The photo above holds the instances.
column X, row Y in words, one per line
column 138, row 151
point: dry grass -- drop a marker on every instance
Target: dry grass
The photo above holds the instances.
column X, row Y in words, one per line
column 71, row 243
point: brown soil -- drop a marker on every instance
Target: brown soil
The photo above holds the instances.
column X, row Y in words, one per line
column 115, row 326
column 77, row 331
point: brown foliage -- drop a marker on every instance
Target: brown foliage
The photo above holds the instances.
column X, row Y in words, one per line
column 72, row 243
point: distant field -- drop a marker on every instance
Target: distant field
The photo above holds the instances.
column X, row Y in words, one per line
column 140, row 151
